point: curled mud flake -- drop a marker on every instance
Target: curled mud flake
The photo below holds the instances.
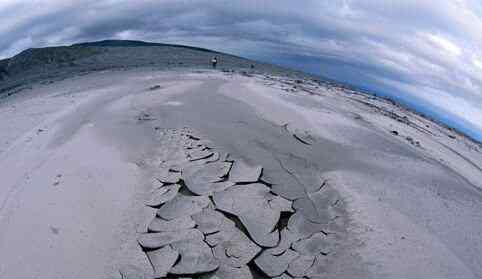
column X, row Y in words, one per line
column 318, row 269
column 307, row 208
column 213, row 158
column 162, row 260
column 198, row 154
column 319, row 206
column 318, row 243
column 299, row 267
column 284, row 276
column 133, row 272
column 190, row 135
column 281, row 204
column 286, row 239
column 284, row 183
column 223, row 185
column 162, row 195
column 302, row 136
column 160, row 225
column 210, row 221
column 181, row 206
column 144, row 116
column 215, row 238
column 156, row 184
column 229, row 272
column 195, row 257
column 175, row 167
column 205, row 143
column 250, row 203
column 259, row 234
column 202, row 179
column 232, row 247
column 154, row 87
column 275, row 265
column 167, row 176
column 158, row 240
column 302, row 170
column 226, row 157
column 212, row 172
column 244, row 173
column 302, row 227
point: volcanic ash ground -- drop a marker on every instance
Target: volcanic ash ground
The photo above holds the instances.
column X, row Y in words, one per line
column 227, row 174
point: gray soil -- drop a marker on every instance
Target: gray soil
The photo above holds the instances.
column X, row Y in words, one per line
column 156, row 169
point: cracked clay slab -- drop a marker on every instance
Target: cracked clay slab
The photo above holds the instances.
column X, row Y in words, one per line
column 195, row 257
column 206, row 179
column 161, row 225
column 250, row 203
column 244, row 173
column 168, row 177
column 232, row 247
column 299, row 267
column 229, row 272
column 162, row 260
column 162, row 195
column 210, row 221
column 313, row 245
column 181, row 206
column 275, row 265
column 318, row 206
column 158, row 240
column 198, row 154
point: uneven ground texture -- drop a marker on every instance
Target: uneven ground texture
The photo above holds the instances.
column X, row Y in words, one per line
column 207, row 174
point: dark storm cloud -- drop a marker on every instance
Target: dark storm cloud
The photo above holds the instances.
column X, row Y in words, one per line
column 426, row 53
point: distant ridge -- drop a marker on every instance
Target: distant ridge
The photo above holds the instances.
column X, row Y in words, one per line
column 133, row 43
column 49, row 64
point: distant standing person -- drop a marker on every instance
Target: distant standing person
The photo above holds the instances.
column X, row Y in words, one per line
column 214, row 61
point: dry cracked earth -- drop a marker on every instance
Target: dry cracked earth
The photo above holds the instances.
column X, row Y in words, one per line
column 217, row 217
column 144, row 173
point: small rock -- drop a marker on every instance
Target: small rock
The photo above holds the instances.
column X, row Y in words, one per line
column 155, row 87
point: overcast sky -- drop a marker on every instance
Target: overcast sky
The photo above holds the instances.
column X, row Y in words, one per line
column 425, row 53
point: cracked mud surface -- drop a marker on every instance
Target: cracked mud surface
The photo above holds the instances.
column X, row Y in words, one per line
column 142, row 174
column 217, row 218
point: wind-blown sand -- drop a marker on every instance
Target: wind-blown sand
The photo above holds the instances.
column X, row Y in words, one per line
column 80, row 157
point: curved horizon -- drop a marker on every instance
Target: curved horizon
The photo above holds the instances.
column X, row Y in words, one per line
column 419, row 106
column 425, row 55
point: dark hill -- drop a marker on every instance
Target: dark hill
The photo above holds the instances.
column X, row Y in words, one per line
column 130, row 43
column 54, row 63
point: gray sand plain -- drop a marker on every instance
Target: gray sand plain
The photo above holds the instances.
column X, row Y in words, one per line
column 209, row 174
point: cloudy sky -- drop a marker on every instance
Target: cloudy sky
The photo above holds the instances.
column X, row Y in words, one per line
column 427, row 54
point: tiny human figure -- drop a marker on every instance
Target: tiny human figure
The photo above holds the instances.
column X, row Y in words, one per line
column 214, row 62
column 252, row 66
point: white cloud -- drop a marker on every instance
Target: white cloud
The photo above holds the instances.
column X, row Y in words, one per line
column 445, row 44
column 477, row 62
